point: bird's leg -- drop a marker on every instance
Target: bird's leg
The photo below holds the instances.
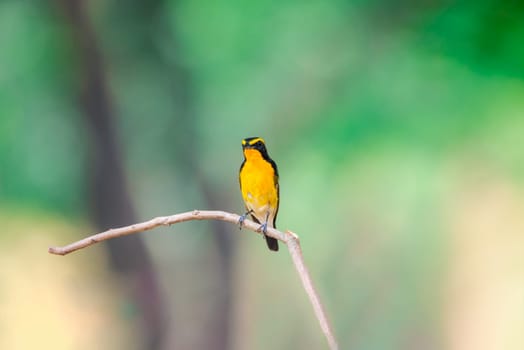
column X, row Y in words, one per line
column 263, row 227
column 242, row 218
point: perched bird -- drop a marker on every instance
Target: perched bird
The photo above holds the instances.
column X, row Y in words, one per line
column 259, row 186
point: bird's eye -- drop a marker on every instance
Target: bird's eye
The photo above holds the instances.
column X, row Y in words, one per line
column 259, row 144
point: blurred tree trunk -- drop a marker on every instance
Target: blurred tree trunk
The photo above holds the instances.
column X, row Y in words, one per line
column 110, row 203
column 185, row 125
column 141, row 17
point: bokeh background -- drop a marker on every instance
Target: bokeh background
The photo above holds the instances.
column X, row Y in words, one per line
column 398, row 128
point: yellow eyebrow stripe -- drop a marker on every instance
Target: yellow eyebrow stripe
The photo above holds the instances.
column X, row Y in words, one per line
column 253, row 141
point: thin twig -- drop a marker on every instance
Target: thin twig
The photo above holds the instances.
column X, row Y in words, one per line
column 289, row 238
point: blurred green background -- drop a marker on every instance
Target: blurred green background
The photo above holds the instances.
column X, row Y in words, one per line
column 398, row 132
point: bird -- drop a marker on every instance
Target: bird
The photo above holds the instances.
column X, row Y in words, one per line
column 258, row 177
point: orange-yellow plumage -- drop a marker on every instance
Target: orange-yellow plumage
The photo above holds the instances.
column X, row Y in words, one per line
column 259, row 185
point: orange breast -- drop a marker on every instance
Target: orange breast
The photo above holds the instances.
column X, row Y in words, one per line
column 258, row 185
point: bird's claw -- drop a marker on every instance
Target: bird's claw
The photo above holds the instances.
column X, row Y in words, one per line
column 242, row 218
column 241, row 221
column 263, row 228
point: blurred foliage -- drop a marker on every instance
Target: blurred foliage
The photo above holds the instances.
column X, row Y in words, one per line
column 41, row 148
column 381, row 116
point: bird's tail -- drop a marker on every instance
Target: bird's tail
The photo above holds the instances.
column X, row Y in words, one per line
column 272, row 243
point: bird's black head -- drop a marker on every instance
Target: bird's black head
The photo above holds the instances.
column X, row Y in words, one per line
column 255, row 143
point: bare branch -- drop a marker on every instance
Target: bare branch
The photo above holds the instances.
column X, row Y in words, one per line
column 293, row 244
column 289, row 238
